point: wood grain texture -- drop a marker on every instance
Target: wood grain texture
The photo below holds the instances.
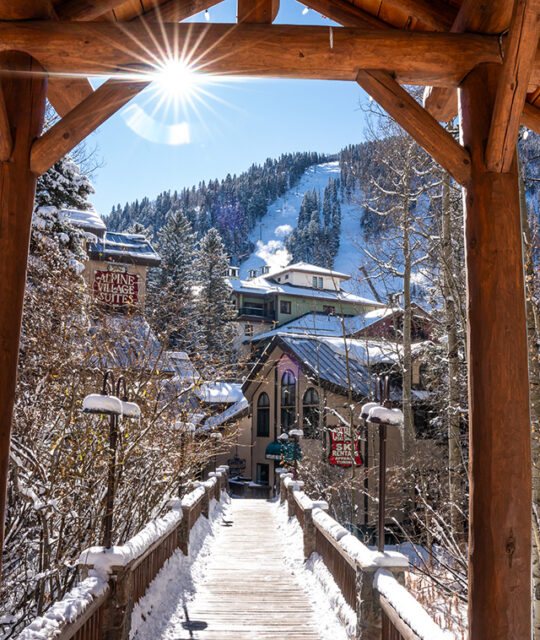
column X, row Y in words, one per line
column 520, row 52
column 434, row 14
column 177, row 10
column 85, row 9
column 6, row 139
column 257, row 11
column 254, row 50
column 499, row 421
column 66, row 93
column 346, row 14
column 531, row 118
column 81, row 121
column 25, row 107
column 248, row 591
column 418, row 123
column 477, row 17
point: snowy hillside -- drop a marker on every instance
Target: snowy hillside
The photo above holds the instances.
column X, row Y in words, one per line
column 270, row 234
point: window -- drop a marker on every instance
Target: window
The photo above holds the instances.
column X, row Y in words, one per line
column 263, row 416
column 320, row 283
column 285, row 306
column 311, row 414
column 315, row 281
column 263, row 473
column 328, row 309
column 288, row 400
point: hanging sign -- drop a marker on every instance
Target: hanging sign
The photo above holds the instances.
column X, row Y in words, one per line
column 236, row 466
column 340, row 443
column 116, row 288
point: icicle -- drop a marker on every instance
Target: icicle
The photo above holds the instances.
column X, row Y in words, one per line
column 207, row 15
column 331, row 38
column 304, row 11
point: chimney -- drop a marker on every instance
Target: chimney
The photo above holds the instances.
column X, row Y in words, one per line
column 233, row 272
column 252, row 274
column 265, row 269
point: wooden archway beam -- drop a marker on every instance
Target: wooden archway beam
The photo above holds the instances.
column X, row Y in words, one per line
column 434, row 14
column 85, row 9
column 81, row 121
column 257, row 11
column 346, row 14
column 6, row 139
column 479, row 17
column 531, row 118
column 286, row 51
column 512, row 86
column 422, row 126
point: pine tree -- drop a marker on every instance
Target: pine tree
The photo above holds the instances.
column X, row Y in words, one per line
column 213, row 306
column 63, row 186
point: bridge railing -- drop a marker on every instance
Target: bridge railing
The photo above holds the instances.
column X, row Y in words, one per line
column 370, row 582
column 115, row 579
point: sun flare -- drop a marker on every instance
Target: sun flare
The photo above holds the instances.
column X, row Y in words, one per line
column 176, row 79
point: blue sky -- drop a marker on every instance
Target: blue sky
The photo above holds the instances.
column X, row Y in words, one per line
column 246, row 121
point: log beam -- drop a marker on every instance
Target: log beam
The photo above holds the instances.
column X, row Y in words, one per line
column 347, row 14
column 81, row 121
column 531, row 118
column 478, row 17
column 286, row 51
column 25, row 106
column 65, row 93
column 434, row 14
column 6, row 140
column 499, row 420
column 177, row 10
column 257, row 11
column 418, row 123
column 85, row 9
column 520, row 52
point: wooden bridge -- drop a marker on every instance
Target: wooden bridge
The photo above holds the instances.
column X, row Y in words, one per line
column 248, row 590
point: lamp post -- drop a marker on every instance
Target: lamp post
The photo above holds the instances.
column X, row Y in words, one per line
column 296, row 434
column 111, row 405
column 384, row 416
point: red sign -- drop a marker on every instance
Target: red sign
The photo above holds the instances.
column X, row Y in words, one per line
column 116, row 288
column 341, row 451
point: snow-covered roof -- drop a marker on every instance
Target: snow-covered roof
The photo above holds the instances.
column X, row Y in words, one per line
column 262, row 286
column 87, row 220
column 369, row 352
column 219, row 392
column 124, row 247
column 184, row 369
column 230, row 413
column 321, row 324
column 304, row 267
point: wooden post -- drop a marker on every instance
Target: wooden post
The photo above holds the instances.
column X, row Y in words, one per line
column 500, row 461
column 25, row 106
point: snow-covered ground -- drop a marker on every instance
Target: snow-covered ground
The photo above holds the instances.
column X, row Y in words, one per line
column 270, row 234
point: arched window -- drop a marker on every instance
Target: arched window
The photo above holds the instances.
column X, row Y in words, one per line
column 311, row 414
column 288, row 400
column 263, row 416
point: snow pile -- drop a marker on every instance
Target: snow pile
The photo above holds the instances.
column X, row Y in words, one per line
column 388, row 416
column 366, row 408
column 328, row 524
column 408, row 609
column 221, row 392
column 175, row 584
column 316, row 581
column 97, row 403
column 131, row 410
column 303, row 500
column 105, row 559
column 193, row 496
column 67, row 610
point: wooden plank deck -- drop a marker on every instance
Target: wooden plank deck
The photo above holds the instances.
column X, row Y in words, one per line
column 248, row 591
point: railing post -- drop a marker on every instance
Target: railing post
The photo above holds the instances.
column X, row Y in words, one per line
column 182, row 539
column 117, row 623
column 205, row 509
column 293, row 486
column 368, row 608
column 217, row 490
column 309, row 527
column 283, row 486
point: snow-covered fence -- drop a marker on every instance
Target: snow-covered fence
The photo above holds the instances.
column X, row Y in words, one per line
column 115, row 579
column 371, row 582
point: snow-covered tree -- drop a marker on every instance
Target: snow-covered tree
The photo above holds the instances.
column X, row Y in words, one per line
column 213, row 306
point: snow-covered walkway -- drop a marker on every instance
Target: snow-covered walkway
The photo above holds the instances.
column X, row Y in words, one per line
column 243, row 585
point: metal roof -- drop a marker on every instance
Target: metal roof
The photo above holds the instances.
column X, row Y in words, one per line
column 124, row 247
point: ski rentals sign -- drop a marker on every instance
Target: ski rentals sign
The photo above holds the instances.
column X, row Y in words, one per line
column 341, row 449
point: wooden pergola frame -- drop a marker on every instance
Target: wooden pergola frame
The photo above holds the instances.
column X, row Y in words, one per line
column 476, row 59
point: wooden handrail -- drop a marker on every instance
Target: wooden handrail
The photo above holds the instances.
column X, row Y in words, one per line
column 336, row 545
column 405, row 632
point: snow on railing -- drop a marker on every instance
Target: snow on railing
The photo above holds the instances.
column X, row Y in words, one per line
column 403, row 612
column 369, row 580
column 131, row 567
column 78, row 610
